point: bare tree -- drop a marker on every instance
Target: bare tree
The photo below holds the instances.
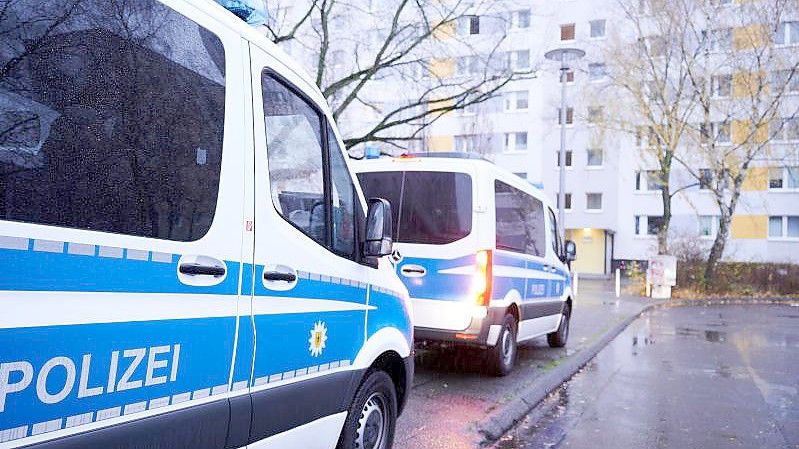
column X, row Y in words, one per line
column 740, row 81
column 404, row 63
column 647, row 67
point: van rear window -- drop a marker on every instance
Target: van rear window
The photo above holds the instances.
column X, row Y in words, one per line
column 428, row 207
column 111, row 117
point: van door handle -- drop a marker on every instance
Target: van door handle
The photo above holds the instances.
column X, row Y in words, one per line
column 278, row 276
column 195, row 269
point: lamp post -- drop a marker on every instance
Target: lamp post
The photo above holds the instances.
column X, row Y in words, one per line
column 564, row 55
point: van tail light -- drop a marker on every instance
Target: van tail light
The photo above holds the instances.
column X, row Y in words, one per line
column 483, row 277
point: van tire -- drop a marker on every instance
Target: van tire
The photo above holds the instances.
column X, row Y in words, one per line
column 558, row 338
column 501, row 358
column 372, row 417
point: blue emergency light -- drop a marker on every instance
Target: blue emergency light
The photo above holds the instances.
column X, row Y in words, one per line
column 251, row 11
column 372, row 152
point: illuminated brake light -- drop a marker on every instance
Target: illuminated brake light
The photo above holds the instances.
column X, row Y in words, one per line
column 483, row 277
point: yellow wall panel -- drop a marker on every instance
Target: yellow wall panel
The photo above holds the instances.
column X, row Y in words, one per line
column 752, row 36
column 756, row 180
column 445, row 31
column 749, row 226
column 441, row 143
column 442, row 68
column 590, row 250
column 747, row 84
column 741, row 130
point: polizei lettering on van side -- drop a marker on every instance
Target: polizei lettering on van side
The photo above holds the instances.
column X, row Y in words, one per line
column 160, row 366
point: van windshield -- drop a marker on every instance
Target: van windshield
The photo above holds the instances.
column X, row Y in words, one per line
column 427, row 207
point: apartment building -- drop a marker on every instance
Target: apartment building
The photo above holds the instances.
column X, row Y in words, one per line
column 613, row 202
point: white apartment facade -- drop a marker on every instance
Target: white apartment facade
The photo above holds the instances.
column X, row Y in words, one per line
column 613, row 207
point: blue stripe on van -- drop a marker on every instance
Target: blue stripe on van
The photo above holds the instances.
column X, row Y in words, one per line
column 118, row 270
column 435, row 285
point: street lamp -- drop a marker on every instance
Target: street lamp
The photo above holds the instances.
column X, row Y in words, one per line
column 564, row 55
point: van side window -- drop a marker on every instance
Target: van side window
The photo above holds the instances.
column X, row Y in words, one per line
column 296, row 158
column 553, row 232
column 519, row 221
column 344, row 198
column 107, row 121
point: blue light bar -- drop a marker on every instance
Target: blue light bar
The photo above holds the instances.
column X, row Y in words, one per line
column 251, row 11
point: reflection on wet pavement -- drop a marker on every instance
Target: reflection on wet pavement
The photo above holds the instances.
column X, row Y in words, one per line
column 692, row 377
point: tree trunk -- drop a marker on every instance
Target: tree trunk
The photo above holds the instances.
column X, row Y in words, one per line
column 663, row 232
column 717, row 250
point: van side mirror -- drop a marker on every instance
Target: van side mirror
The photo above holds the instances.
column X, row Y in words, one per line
column 570, row 251
column 379, row 229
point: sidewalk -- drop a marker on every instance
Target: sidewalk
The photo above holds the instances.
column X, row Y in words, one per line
column 454, row 405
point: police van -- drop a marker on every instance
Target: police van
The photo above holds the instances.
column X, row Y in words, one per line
column 479, row 250
column 186, row 260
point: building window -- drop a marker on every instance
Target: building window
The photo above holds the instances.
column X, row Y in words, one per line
column 719, row 40
column 569, row 116
column 597, row 28
column 785, row 81
column 520, row 19
column 517, row 101
column 515, row 141
column 466, row 143
column 781, row 227
column 648, row 181
column 569, row 76
column 718, row 132
column 708, row 225
column 596, row 114
column 705, row 178
column 655, row 46
column 593, row 201
column 721, row 86
column 787, row 33
column 469, row 65
column 597, row 72
column 786, row 129
column 471, row 109
column 646, row 137
column 783, row 178
column 470, row 25
column 648, row 225
column 595, row 157
column 567, row 200
column 568, row 158
column 567, row 32
column 519, row 60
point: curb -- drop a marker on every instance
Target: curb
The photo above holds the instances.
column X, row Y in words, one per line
column 498, row 423
column 506, row 417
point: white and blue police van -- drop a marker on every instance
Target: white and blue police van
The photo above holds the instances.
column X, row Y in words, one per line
column 480, row 251
column 186, row 258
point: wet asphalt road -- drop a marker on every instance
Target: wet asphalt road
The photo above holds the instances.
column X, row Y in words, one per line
column 452, row 393
column 686, row 377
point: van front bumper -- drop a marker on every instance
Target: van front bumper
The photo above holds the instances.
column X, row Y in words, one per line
column 479, row 333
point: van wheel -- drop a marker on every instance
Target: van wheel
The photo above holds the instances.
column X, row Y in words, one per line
column 372, row 417
column 501, row 358
column 558, row 338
